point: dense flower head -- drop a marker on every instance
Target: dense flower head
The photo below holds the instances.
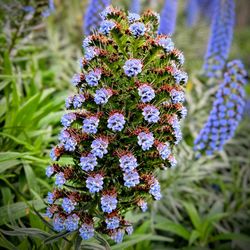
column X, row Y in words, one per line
column 145, row 140
column 226, row 112
column 116, row 122
column 137, row 29
column 220, row 38
column 146, row 93
column 121, row 127
column 132, row 67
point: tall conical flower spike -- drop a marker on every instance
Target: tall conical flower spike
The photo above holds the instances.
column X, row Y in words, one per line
column 227, row 111
column 120, row 127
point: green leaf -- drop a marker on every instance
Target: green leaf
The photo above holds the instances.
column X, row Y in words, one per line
column 230, row 236
column 31, row 178
column 193, row 214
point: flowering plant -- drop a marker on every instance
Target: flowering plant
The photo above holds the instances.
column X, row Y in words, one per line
column 121, row 126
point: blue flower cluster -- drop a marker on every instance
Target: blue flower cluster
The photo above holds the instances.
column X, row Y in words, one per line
column 164, row 150
column 68, row 142
column 168, row 17
column 71, row 222
column 108, row 203
column 49, row 171
column 68, row 205
column 137, row 29
column 60, row 179
column 93, row 77
column 94, row 183
column 68, row 119
column 135, row 6
column 99, row 147
column 143, row 205
column 151, row 114
column 87, row 231
column 220, row 38
column 145, row 140
column 112, row 222
column 128, row 162
column 106, row 27
column 76, row 79
column 117, row 235
column 132, row 17
column 180, row 77
column 226, row 113
column 132, row 67
column 146, row 93
column 177, row 96
column 131, row 179
column 90, row 125
column 116, row 122
column 155, row 190
column 102, row 95
column 166, row 43
column 88, row 163
column 192, row 11
column 176, row 129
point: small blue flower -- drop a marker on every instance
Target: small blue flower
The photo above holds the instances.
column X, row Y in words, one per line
column 137, row 29
column 183, row 112
column 87, row 231
column 60, row 179
column 155, row 190
column 99, row 147
column 71, row 223
column 177, row 129
column 181, row 58
column 146, row 93
column 132, row 67
column 78, row 101
column 90, row 125
column 116, row 122
column 68, row 205
column 86, row 42
column 93, row 77
column 117, row 235
column 128, row 163
column 129, row 229
column 49, row 171
column 106, row 26
column 70, row 145
column 166, row 43
column 68, row 102
column 88, row 162
column 177, row 96
column 48, row 213
column 145, row 140
column 151, row 114
column 50, row 198
column 180, row 77
column 102, row 95
column 53, row 155
column 143, row 205
column 76, row 79
column 164, row 150
column 132, row 17
column 67, row 119
column 113, row 222
column 94, row 183
column 172, row 161
column 108, row 203
column 58, row 224
column 131, row 179
column 90, row 53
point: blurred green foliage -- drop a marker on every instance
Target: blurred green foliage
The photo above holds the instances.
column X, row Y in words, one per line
column 206, row 202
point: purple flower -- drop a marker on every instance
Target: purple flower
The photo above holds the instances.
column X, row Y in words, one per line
column 180, row 77
column 88, row 163
column 166, row 43
column 53, row 155
column 86, row 42
column 143, row 205
column 131, row 179
column 67, row 119
column 129, row 229
column 90, row 125
column 48, row 213
column 68, row 102
column 164, row 150
column 87, row 231
column 132, row 17
column 117, row 235
column 183, row 112
column 106, row 26
column 90, row 53
column 135, row 6
column 71, row 223
column 60, row 179
column 113, row 222
column 155, row 190
column 102, row 95
column 116, row 122
column 108, row 203
column 99, row 147
column 177, row 129
column 78, row 101
column 76, row 79
column 58, row 224
column 172, row 161
column 128, row 163
column 137, row 29
column 68, row 205
column 146, row 93
column 93, row 77
column 151, row 114
column 49, row 171
column 168, row 17
column 177, row 96
column 94, row 183
column 132, row 67
column 50, row 198
column 145, row 140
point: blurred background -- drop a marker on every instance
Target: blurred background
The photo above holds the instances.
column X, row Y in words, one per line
column 206, row 203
